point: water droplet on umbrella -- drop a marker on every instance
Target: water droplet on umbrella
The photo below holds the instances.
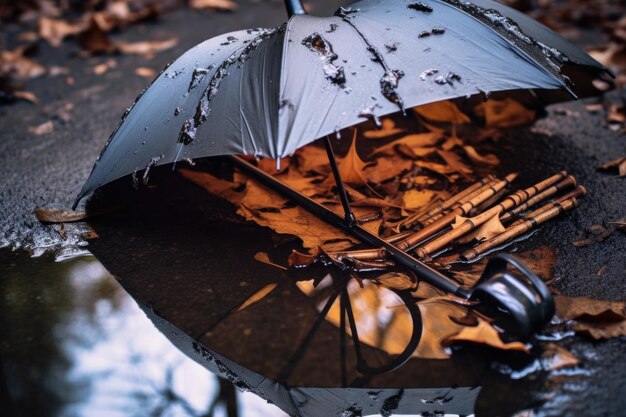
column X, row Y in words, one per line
column 392, row 47
column 146, row 174
column 420, row 7
column 424, row 34
column 428, row 73
column 333, row 27
column 316, row 43
column 177, row 111
column 346, row 12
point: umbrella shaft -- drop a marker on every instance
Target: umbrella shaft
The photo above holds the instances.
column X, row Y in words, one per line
column 424, row 272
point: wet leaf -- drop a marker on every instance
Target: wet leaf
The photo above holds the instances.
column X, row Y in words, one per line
column 55, row 215
column 421, row 144
column 42, row 129
column 387, row 168
column 485, row 334
column 589, row 309
column 263, row 257
column 454, row 161
column 555, row 357
column 257, row 296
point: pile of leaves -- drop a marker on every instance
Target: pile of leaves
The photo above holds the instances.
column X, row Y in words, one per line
column 90, row 24
column 392, row 177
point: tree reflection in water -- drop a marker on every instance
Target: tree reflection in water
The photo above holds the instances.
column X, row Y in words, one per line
column 73, row 343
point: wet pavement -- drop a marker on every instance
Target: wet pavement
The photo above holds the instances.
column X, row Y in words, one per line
column 70, row 328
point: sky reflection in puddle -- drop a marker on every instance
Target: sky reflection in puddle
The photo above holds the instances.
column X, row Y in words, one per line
column 76, row 344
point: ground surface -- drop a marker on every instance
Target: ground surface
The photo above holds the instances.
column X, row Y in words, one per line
column 49, row 170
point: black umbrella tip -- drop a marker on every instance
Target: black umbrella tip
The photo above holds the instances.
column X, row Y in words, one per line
column 294, row 7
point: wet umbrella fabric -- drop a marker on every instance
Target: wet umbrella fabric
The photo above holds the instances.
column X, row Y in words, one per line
column 268, row 92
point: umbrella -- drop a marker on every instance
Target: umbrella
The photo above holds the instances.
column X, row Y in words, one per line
column 267, row 92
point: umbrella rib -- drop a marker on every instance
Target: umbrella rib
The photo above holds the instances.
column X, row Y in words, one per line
column 514, row 46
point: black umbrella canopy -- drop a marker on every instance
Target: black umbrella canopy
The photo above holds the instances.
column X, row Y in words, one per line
column 267, row 92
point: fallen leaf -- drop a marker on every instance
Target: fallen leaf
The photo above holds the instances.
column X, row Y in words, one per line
column 618, row 165
column 489, row 159
column 388, row 128
column 589, row 309
column 145, row 72
column 42, row 129
column 387, row 168
column 351, row 167
column 263, row 257
column 227, row 5
column 257, row 296
column 415, row 199
column 555, row 357
column 505, row 113
column 26, row 95
column 14, row 64
column 55, row 30
column 421, row 144
column 454, row 161
column 485, row 334
column 145, row 47
column 442, row 111
column 55, row 215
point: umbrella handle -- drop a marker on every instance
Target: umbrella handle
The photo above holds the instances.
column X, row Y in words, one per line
column 294, row 7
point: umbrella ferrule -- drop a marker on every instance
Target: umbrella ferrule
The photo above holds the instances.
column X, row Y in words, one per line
column 294, row 7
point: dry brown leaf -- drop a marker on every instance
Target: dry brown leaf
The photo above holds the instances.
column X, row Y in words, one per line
column 312, row 159
column 505, row 113
column 227, row 5
column 351, row 167
column 484, row 334
column 298, row 222
column 416, row 199
column 589, row 309
column 145, row 47
column 14, row 64
column 456, row 162
column 257, row 296
column 145, row 72
column 435, row 167
column 26, row 95
column 264, row 258
column 421, row 144
column 618, row 164
column 388, row 128
column 489, row 159
column 387, row 168
column 55, row 30
column 257, row 197
column 42, row 129
column 443, row 111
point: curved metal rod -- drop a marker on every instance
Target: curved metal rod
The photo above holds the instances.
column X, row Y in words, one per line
column 294, row 7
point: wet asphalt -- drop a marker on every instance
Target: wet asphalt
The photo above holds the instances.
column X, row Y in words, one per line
column 49, row 170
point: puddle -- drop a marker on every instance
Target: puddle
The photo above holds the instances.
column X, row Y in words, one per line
column 76, row 344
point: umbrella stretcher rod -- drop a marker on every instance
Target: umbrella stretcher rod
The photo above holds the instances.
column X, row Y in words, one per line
column 347, row 224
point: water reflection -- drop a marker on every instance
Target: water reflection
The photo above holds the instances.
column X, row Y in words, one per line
column 75, row 344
